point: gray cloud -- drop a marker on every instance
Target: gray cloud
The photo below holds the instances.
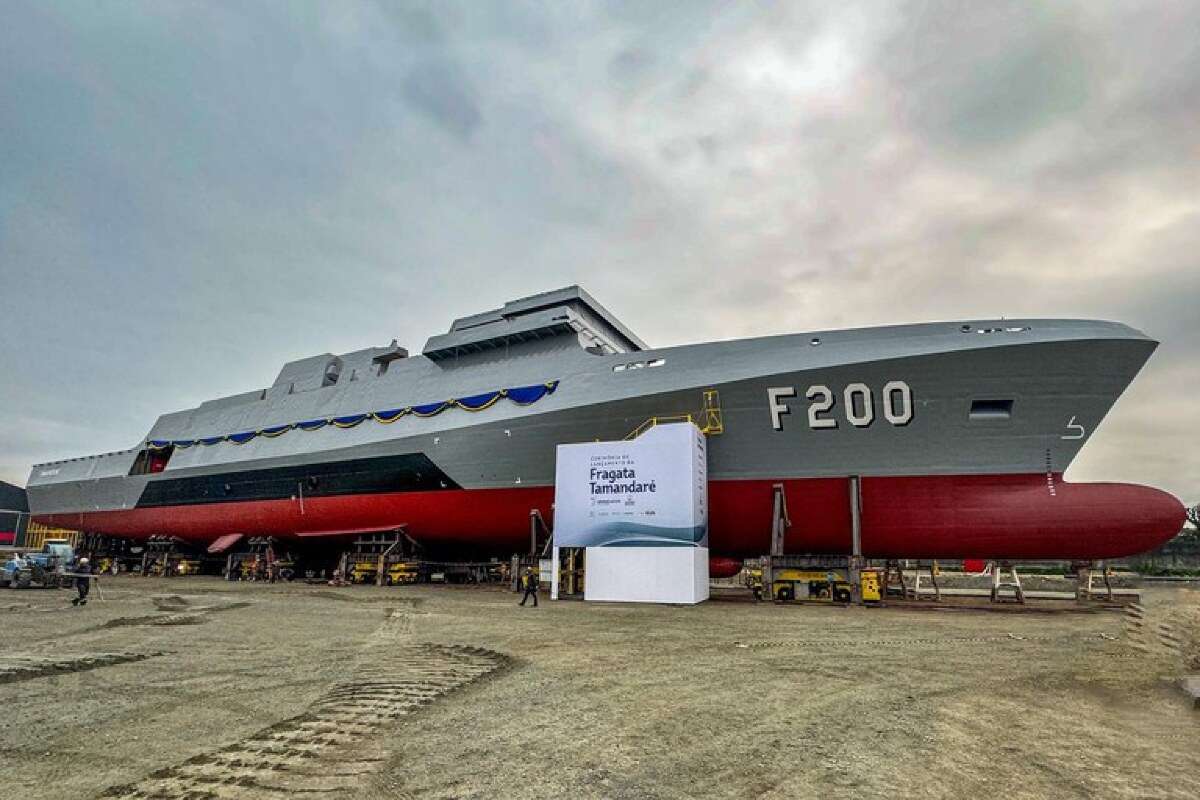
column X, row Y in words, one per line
column 192, row 195
column 436, row 87
column 988, row 75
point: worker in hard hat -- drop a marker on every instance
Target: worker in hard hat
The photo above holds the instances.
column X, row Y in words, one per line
column 529, row 582
column 83, row 581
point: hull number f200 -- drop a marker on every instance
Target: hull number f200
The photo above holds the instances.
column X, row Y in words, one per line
column 858, row 404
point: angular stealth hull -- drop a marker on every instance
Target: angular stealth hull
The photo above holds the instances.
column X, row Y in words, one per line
column 959, row 431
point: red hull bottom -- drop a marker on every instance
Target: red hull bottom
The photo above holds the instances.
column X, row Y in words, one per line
column 958, row 516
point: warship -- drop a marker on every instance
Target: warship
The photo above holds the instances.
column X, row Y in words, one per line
column 958, row 434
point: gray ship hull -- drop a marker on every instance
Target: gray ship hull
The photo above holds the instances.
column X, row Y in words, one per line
column 995, row 401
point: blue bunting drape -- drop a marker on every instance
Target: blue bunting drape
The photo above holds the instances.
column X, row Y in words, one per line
column 528, row 395
column 429, row 409
column 521, row 395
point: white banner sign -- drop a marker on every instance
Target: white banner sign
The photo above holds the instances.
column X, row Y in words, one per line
column 651, row 491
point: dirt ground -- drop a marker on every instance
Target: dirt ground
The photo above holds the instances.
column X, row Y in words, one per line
column 195, row 688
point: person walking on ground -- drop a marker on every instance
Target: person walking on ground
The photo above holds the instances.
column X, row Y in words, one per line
column 83, row 582
column 529, row 582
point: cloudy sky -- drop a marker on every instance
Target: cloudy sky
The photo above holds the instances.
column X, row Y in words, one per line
column 193, row 193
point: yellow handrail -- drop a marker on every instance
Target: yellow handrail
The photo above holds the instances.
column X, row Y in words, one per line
column 713, row 425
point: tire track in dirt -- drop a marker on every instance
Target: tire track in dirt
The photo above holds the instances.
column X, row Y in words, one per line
column 27, row 668
column 1007, row 638
column 1151, row 634
column 192, row 616
column 332, row 747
